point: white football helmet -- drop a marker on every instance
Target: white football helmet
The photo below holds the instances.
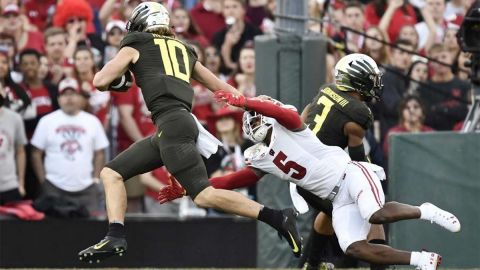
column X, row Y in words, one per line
column 256, row 126
column 148, row 15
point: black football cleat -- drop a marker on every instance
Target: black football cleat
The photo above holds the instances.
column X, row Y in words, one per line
column 109, row 246
column 290, row 232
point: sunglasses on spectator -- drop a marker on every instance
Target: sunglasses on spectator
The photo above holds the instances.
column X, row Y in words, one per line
column 10, row 15
column 75, row 19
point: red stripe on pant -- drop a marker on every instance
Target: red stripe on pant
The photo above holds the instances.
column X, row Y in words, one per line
column 373, row 187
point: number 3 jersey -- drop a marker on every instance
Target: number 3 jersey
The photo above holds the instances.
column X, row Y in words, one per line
column 330, row 110
column 299, row 157
column 163, row 71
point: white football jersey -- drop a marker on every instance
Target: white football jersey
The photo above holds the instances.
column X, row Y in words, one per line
column 299, row 157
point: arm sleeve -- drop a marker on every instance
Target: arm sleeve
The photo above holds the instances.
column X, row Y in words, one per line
column 242, row 178
column 286, row 117
column 357, row 153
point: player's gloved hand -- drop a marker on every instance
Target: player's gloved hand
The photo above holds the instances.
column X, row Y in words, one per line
column 230, row 98
column 172, row 191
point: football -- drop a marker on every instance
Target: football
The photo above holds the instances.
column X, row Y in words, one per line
column 122, row 83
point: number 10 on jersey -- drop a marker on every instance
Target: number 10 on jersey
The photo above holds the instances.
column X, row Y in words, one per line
column 169, row 50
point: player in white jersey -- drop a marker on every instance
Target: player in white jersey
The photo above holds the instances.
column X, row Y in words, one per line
column 289, row 150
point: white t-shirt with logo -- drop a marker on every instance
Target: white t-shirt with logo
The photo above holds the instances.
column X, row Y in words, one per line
column 69, row 143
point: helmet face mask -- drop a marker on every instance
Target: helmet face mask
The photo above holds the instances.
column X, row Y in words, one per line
column 359, row 73
column 256, row 126
column 148, row 15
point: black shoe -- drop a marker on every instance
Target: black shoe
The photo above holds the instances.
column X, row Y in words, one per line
column 290, row 232
column 108, row 247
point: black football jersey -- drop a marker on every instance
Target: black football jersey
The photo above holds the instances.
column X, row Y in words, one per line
column 163, row 71
column 331, row 110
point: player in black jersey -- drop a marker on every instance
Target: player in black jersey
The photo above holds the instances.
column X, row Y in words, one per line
column 163, row 67
column 338, row 116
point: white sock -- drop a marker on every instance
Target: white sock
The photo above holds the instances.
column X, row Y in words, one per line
column 424, row 213
column 415, row 258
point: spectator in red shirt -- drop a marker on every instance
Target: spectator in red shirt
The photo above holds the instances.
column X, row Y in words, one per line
column 16, row 26
column 85, row 69
column 390, row 16
column 185, row 28
column 207, row 15
column 412, row 117
column 230, row 40
column 43, row 95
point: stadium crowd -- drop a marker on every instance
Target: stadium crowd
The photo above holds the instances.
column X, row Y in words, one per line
column 57, row 130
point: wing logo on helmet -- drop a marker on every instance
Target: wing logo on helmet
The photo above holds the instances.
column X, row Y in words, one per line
column 358, row 72
column 148, row 15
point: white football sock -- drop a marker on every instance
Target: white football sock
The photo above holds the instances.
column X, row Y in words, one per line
column 415, row 258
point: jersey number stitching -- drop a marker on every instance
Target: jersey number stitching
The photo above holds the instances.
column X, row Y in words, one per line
column 319, row 119
column 289, row 165
column 169, row 50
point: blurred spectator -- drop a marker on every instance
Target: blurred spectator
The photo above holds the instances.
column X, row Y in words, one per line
column 114, row 33
column 445, row 95
column 409, row 33
column 203, row 103
column 412, row 117
column 12, row 165
column 417, row 73
column 185, row 28
column 378, row 51
column 43, row 70
column 454, row 8
column 40, row 12
column 76, row 17
column 230, row 40
column 244, row 77
column 461, row 70
column 207, row 16
column 84, row 71
column 55, row 45
column 315, row 10
column 12, row 153
column 390, row 15
column 450, row 40
column 8, row 45
column 355, row 19
column 116, row 10
column 17, row 26
column 213, row 62
column 16, row 98
column 42, row 93
column 73, row 142
column 434, row 9
column 394, row 86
